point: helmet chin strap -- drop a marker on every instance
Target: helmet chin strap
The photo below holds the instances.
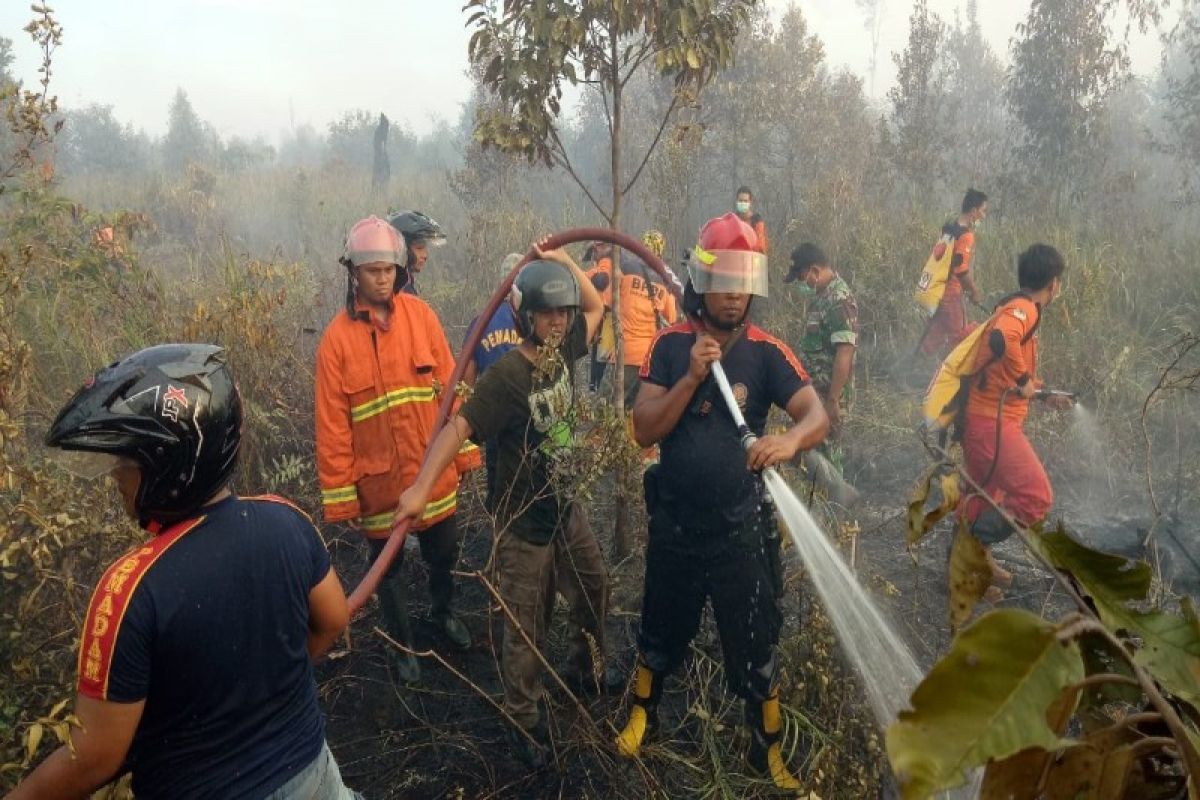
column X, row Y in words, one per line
column 403, row 278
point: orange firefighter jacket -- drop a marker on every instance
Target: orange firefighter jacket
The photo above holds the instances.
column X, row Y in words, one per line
column 378, row 386
column 1016, row 321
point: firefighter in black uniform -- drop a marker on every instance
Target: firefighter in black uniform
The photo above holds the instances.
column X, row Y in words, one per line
column 712, row 534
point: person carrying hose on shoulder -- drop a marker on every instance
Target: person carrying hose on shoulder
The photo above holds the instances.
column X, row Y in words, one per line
column 996, row 453
column 713, row 535
column 382, row 363
column 526, row 404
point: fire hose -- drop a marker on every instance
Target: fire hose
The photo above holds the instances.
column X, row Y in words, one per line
column 395, row 541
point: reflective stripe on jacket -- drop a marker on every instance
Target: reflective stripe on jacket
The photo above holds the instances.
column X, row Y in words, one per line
column 378, row 388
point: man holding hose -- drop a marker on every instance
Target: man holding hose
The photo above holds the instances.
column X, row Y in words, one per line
column 712, row 530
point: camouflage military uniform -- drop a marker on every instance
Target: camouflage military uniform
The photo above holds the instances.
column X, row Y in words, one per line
column 832, row 320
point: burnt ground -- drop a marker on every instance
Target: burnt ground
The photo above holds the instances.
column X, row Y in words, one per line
column 444, row 738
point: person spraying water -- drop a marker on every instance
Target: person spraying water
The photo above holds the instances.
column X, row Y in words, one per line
column 713, row 536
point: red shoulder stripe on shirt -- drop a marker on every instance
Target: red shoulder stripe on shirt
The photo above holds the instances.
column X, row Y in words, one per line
column 757, row 334
column 274, row 498
column 106, row 611
column 679, row 327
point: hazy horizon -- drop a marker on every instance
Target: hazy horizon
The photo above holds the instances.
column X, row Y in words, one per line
column 262, row 68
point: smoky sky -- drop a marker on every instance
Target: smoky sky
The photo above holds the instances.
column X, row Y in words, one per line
column 262, row 67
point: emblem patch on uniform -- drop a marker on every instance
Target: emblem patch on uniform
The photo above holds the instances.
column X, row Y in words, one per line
column 1019, row 314
column 174, row 401
column 740, row 393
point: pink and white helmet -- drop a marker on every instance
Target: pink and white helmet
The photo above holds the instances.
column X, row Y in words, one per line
column 373, row 239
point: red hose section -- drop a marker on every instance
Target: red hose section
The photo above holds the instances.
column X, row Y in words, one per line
column 370, row 581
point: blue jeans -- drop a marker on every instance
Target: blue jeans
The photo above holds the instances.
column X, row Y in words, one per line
column 320, row 780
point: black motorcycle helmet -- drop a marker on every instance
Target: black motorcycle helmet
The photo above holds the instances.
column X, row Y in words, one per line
column 541, row 286
column 416, row 228
column 172, row 408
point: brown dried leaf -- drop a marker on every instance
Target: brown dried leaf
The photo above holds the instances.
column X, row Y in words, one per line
column 970, row 576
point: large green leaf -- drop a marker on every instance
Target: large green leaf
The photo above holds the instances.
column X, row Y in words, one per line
column 1101, row 656
column 1111, row 580
column 1170, row 644
column 986, row 699
column 1170, row 650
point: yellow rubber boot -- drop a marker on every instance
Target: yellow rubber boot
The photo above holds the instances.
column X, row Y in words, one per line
column 643, row 716
column 765, row 753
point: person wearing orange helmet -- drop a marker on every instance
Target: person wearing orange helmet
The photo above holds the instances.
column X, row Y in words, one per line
column 381, row 366
column 712, row 531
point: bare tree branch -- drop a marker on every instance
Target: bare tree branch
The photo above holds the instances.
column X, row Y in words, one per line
column 650, row 150
column 558, row 154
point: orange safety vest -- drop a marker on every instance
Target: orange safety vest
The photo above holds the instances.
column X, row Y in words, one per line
column 643, row 301
column 378, row 389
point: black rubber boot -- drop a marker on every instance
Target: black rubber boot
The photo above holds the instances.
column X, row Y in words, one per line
column 990, row 528
column 531, row 754
column 393, row 602
column 441, row 596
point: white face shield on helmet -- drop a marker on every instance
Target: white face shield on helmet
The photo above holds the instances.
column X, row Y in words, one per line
column 728, row 271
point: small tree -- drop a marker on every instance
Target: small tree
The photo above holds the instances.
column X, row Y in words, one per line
column 1065, row 66
column 528, row 51
column 189, row 139
column 30, row 116
column 873, row 21
column 981, row 122
column 921, row 106
column 1182, row 78
column 94, row 141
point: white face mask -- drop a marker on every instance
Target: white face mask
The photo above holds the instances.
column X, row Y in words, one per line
column 742, row 206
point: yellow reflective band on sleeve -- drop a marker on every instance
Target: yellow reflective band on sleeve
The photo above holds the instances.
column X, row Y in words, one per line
column 342, row 494
column 440, row 506
column 468, row 447
column 379, row 522
column 396, row 397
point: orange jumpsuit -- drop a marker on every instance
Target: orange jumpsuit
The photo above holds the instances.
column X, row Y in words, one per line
column 1018, row 481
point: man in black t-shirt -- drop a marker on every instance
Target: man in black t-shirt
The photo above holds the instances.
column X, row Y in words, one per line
column 195, row 668
column 712, row 533
column 525, row 403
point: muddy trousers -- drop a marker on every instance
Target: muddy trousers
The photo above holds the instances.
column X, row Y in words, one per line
column 739, row 570
column 529, row 575
column 439, row 550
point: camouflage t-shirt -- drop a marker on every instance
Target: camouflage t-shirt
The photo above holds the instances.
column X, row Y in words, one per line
column 832, row 320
